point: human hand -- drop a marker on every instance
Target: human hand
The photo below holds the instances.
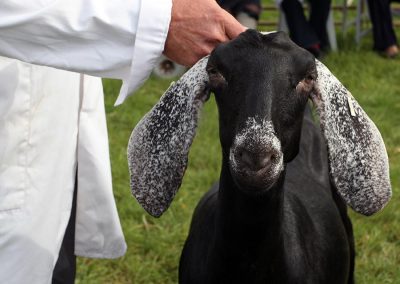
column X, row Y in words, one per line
column 196, row 28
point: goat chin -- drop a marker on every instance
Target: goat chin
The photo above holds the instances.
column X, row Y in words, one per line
column 255, row 182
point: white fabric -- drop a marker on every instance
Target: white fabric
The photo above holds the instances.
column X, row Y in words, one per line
column 119, row 39
column 51, row 120
column 42, row 110
column 98, row 230
column 150, row 39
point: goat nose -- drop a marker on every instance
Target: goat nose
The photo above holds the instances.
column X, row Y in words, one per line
column 256, row 160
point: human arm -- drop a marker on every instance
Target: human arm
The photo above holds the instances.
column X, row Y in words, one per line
column 116, row 39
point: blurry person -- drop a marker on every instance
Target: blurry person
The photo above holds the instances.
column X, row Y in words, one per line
column 311, row 33
column 385, row 41
column 247, row 12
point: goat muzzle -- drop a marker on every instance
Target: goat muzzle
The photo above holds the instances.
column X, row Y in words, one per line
column 256, row 158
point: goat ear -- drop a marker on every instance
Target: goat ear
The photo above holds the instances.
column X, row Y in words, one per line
column 358, row 160
column 159, row 145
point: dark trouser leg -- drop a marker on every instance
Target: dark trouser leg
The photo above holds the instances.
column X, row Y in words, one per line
column 65, row 269
column 299, row 28
column 318, row 17
column 250, row 7
column 381, row 17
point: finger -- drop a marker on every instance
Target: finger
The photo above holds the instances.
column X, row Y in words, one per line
column 220, row 37
column 205, row 49
column 232, row 27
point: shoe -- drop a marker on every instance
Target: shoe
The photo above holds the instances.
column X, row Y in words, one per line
column 315, row 49
column 391, row 52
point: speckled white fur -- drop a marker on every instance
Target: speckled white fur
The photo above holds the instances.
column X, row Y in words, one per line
column 358, row 160
column 159, row 145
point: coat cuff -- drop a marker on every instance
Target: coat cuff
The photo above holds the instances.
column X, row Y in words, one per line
column 153, row 25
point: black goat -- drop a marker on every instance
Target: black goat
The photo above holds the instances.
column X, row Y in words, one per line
column 275, row 216
column 266, row 222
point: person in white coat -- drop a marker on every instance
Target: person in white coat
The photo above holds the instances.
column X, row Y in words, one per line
column 53, row 136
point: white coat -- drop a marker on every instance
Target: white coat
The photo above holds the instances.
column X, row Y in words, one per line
column 53, row 120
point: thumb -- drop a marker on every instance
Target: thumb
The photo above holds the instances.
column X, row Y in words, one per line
column 232, row 27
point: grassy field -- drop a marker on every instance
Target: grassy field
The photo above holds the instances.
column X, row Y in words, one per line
column 154, row 245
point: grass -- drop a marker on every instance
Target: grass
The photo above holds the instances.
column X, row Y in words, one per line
column 154, row 245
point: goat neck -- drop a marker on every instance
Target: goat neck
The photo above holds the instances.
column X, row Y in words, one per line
column 249, row 215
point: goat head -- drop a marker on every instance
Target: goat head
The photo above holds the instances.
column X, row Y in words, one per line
column 159, row 145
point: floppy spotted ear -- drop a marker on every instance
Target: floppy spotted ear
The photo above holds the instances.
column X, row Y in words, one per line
column 159, row 145
column 358, row 160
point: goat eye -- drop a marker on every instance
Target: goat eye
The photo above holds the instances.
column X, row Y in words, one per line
column 217, row 80
column 212, row 71
column 310, row 78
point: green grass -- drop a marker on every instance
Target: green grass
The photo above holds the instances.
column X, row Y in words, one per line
column 154, row 245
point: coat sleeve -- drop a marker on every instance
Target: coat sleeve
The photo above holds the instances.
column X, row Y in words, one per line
column 119, row 39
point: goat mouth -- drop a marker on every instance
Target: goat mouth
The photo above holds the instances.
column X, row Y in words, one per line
column 255, row 181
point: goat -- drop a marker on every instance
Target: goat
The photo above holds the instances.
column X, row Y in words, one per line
column 278, row 213
column 266, row 222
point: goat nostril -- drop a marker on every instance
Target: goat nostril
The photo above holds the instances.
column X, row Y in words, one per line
column 246, row 158
column 256, row 161
column 265, row 161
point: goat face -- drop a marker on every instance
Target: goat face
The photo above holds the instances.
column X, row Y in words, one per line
column 261, row 83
